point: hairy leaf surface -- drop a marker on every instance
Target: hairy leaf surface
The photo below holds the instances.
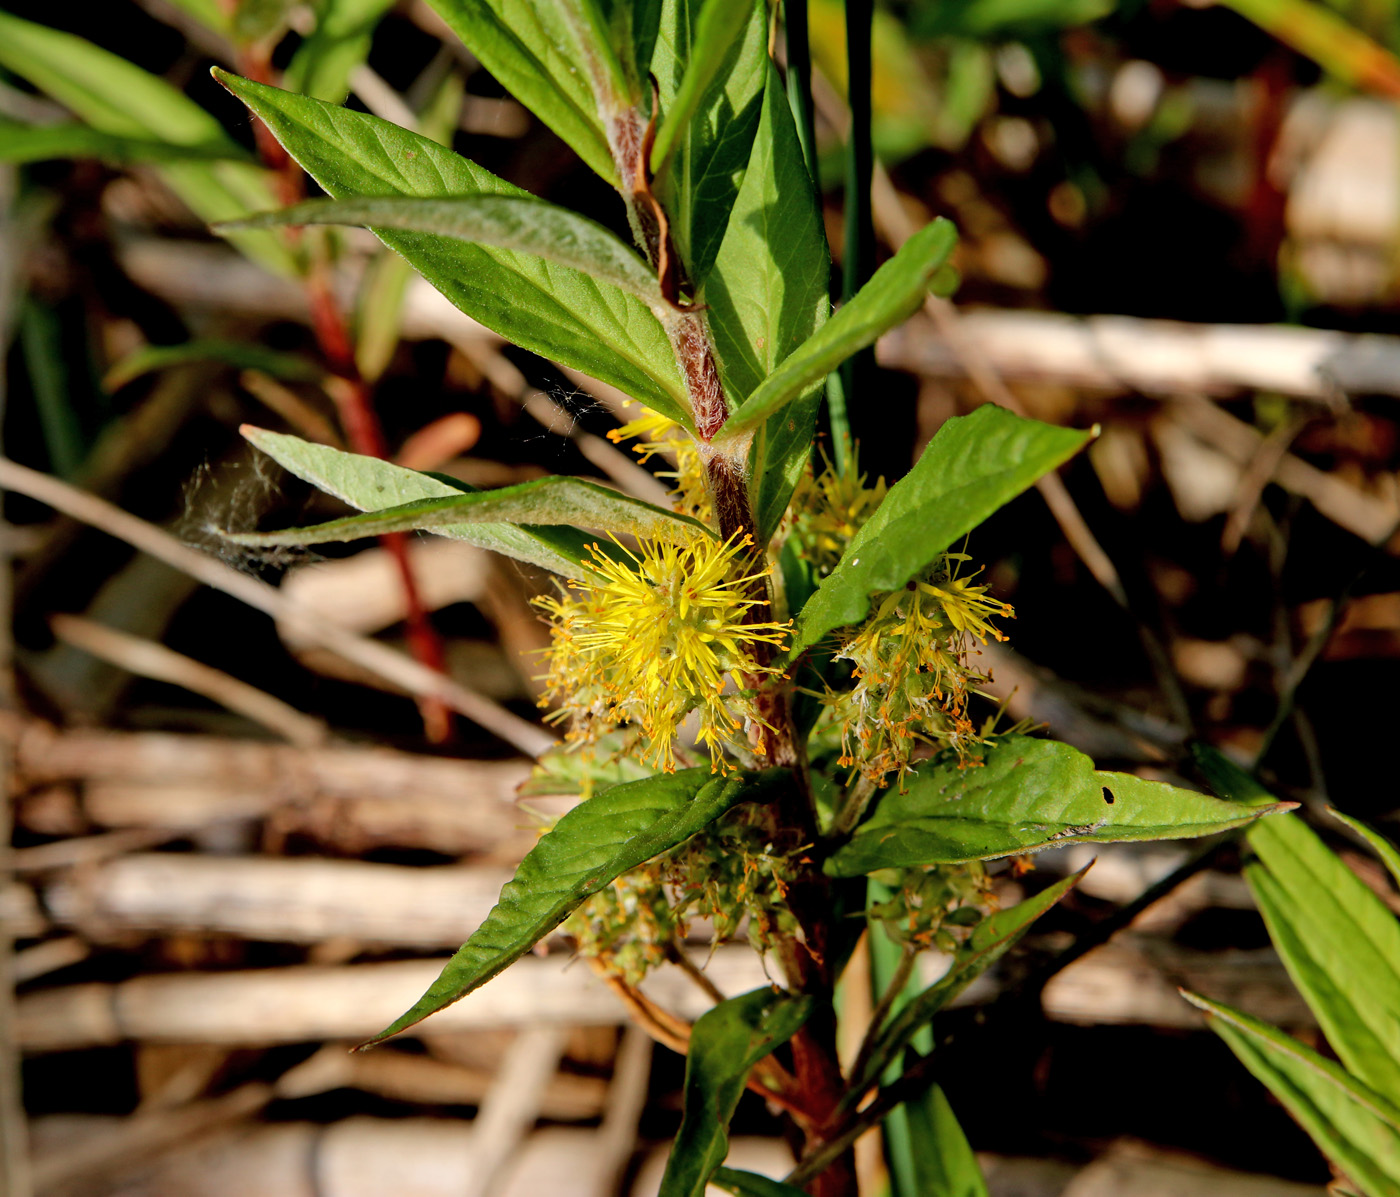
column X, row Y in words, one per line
column 706, row 167
column 724, row 1044
column 1027, row 794
column 371, row 485
column 549, row 309
column 598, row 840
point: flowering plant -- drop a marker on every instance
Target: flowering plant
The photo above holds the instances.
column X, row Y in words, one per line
column 784, row 661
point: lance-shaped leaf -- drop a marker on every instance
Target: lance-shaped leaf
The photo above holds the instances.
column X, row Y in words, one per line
column 546, row 308
column 116, row 96
column 536, row 55
column 519, row 222
column 558, row 500
column 767, row 295
column 715, row 40
column 324, row 62
column 990, row 940
column 751, row 1184
column 1354, row 1126
column 371, row 484
column 245, row 355
column 597, row 841
column 944, row 1163
column 893, row 294
column 707, row 165
column 39, row 143
column 1027, row 794
column 724, row 1044
column 1390, row 857
column 972, row 466
column 1340, row 943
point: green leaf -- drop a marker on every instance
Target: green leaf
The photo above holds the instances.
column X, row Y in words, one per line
column 245, row 355
column 751, row 1184
column 972, row 466
column 519, row 222
column 370, row 485
column 209, row 13
column 38, row 143
column 545, row 308
column 323, row 63
column 1384, row 848
column 707, row 166
column 536, row 56
column 719, row 30
column 724, row 1044
column 115, row 96
column 767, row 295
column 1340, row 943
column 591, row 845
column 894, row 293
column 990, row 940
column 1227, row 778
column 1356, row 1128
column 1027, row 794
column 557, row 500
column 944, row 1164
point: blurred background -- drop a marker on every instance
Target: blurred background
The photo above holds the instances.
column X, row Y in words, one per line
column 239, row 845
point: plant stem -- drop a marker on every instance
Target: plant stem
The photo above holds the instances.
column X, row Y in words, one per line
column 898, row 980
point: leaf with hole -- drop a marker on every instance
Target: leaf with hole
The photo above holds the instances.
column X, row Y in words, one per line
column 1026, row 795
column 597, row 841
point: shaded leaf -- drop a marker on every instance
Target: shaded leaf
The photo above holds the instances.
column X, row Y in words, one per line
column 519, row 222
column 707, row 166
column 751, row 1184
column 767, row 295
column 894, row 293
column 245, row 355
column 1027, row 794
column 944, row 1164
column 1390, row 857
column 1227, row 778
column 972, row 466
column 543, row 307
column 115, row 96
column 371, row 484
column 1355, row 1127
column 990, row 940
column 724, row 1044
column 38, row 143
column 535, row 56
column 1340, row 943
column 591, row 845
column 323, row 63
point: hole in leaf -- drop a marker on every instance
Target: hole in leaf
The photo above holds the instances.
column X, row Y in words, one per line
column 1108, row 796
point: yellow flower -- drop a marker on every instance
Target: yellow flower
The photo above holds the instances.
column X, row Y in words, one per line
column 912, row 675
column 651, row 637
column 829, row 510
column 656, row 435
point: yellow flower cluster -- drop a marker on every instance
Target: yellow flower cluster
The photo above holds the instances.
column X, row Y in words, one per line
column 912, row 675
column 650, row 637
column 656, row 435
column 829, row 510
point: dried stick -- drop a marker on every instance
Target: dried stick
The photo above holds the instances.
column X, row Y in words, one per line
column 410, row 675
column 146, row 658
